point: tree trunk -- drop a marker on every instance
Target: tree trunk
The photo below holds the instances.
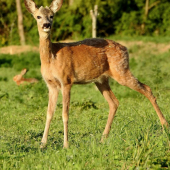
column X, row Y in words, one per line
column 20, row 23
column 94, row 15
column 147, row 8
column 71, row 2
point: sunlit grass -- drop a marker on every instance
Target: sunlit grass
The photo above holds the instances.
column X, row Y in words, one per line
column 136, row 140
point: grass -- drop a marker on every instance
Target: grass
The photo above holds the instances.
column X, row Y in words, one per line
column 136, row 140
column 155, row 39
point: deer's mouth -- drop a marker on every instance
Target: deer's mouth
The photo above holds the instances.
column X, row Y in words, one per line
column 46, row 27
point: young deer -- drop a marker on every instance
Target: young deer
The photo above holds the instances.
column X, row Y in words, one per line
column 19, row 79
column 90, row 60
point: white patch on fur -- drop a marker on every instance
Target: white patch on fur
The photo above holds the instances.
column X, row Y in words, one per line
column 46, row 29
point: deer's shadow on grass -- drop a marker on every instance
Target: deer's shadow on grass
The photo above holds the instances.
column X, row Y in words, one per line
column 6, row 62
column 18, row 147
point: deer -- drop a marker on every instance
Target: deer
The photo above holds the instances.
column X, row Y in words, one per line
column 19, row 79
column 93, row 60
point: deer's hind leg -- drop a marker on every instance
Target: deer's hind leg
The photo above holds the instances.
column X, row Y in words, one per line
column 127, row 79
column 113, row 104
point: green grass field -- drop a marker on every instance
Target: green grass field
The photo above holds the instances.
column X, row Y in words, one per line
column 136, row 140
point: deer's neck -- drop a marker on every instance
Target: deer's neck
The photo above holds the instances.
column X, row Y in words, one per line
column 45, row 50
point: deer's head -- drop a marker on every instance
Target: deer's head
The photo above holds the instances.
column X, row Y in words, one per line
column 43, row 16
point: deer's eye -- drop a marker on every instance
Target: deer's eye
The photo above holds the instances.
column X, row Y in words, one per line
column 51, row 17
column 38, row 17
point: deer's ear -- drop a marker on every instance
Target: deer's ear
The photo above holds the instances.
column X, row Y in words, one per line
column 23, row 71
column 30, row 5
column 56, row 5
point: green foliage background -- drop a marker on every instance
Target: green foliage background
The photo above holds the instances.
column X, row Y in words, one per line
column 120, row 17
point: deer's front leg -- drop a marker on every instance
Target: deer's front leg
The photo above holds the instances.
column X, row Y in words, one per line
column 53, row 95
column 65, row 114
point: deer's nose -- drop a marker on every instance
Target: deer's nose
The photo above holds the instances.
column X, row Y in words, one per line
column 46, row 25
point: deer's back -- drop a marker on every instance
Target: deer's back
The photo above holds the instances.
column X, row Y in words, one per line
column 86, row 61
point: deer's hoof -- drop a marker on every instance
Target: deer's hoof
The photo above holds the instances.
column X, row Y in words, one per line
column 166, row 125
column 104, row 137
column 43, row 145
column 66, row 145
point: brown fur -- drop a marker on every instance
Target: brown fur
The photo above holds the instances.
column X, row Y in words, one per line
column 19, row 79
column 90, row 60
